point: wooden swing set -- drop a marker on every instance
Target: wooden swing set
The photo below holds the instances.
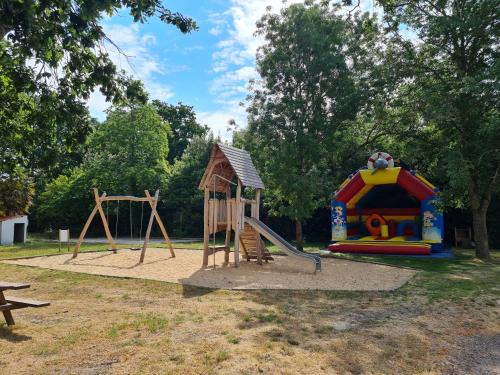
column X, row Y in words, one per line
column 153, row 201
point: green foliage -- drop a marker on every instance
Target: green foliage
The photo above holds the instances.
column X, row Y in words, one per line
column 125, row 156
column 52, row 57
column 318, row 106
column 127, row 153
column 16, row 193
column 183, row 201
column 185, row 127
column 292, row 122
column 451, row 85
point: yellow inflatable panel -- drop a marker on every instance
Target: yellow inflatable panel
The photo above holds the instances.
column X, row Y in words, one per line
column 425, row 181
column 380, row 177
column 365, row 189
column 392, row 241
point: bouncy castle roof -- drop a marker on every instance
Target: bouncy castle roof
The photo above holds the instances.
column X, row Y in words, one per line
column 228, row 162
column 414, row 184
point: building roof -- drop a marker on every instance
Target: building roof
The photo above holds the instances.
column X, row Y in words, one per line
column 228, row 162
column 13, row 217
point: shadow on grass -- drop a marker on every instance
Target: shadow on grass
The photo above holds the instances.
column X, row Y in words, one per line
column 189, row 291
column 7, row 333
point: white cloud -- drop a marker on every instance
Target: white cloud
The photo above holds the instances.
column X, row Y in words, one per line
column 233, row 64
column 97, row 105
column 133, row 52
column 218, row 121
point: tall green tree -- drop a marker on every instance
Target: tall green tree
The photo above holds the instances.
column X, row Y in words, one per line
column 124, row 156
column 185, row 127
column 52, row 56
column 451, row 83
column 298, row 108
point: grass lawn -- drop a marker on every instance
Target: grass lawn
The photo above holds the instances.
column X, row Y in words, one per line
column 445, row 320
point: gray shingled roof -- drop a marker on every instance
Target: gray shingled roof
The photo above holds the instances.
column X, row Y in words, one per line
column 242, row 164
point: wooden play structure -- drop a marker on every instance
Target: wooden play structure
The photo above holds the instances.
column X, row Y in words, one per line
column 153, row 201
column 224, row 213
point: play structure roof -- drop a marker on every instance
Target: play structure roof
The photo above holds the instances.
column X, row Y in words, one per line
column 413, row 183
column 228, row 162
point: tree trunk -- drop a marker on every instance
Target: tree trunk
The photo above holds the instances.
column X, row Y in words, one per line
column 298, row 235
column 479, row 210
column 480, row 233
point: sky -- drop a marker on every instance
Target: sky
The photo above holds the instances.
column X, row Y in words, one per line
column 208, row 69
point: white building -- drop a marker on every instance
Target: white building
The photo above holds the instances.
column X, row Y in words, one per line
column 13, row 229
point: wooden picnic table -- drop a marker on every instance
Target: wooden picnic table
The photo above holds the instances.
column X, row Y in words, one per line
column 12, row 303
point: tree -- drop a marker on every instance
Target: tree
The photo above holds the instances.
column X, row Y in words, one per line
column 16, row 193
column 299, row 107
column 182, row 203
column 52, row 56
column 125, row 155
column 452, row 84
column 185, row 127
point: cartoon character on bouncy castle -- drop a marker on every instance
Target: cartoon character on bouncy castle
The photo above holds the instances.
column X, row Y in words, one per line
column 428, row 219
column 339, row 230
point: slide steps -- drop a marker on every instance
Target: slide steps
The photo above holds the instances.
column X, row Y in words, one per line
column 248, row 240
column 262, row 229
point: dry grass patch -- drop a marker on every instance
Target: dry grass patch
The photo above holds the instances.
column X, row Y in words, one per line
column 102, row 325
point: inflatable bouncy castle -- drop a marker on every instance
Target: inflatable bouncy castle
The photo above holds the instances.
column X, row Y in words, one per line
column 386, row 208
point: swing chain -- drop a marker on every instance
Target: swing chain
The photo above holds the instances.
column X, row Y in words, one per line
column 142, row 215
column 131, row 223
column 116, row 224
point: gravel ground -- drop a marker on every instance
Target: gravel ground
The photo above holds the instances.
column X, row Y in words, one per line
column 477, row 355
column 185, row 268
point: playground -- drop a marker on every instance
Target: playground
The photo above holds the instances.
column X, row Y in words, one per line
column 185, row 269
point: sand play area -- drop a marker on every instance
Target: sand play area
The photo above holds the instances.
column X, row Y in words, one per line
column 185, row 268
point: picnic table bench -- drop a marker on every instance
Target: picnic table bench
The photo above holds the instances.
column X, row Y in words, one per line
column 12, row 303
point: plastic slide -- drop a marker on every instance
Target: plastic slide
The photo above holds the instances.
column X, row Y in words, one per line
column 279, row 241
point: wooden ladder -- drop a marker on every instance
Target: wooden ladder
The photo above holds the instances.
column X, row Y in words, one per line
column 248, row 240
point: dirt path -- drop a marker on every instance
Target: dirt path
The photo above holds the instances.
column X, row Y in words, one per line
column 283, row 273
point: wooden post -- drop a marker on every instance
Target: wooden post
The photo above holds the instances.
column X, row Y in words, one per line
column 256, row 214
column 162, row 228
column 104, row 220
column 229, row 216
column 7, row 314
column 257, row 204
column 85, row 228
column 238, row 223
column 150, row 224
column 206, row 229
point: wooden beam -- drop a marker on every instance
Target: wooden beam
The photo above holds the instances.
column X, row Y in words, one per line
column 104, row 220
column 228, row 223
column 9, row 319
column 206, row 229
column 124, row 198
column 256, row 215
column 257, row 202
column 150, row 225
column 208, row 172
column 238, row 223
column 85, row 228
column 160, row 223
